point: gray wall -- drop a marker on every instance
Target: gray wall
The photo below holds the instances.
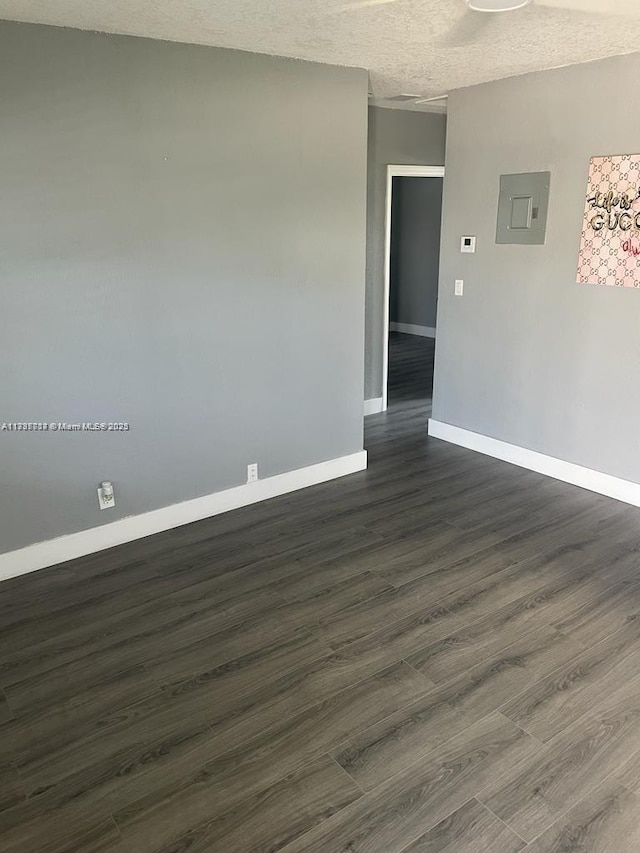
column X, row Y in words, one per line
column 415, row 250
column 526, row 355
column 183, row 248
column 395, row 137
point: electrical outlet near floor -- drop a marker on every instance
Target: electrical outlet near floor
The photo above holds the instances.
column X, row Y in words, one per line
column 106, row 495
column 252, row 472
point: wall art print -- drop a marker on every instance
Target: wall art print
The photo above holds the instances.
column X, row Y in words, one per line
column 610, row 245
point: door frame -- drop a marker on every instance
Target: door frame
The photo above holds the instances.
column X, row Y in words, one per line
column 395, row 171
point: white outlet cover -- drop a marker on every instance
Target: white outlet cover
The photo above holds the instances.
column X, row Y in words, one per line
column 459, row 287
column 105, row 504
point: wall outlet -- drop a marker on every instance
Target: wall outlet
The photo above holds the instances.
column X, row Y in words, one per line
column 459, row 287
column 106, row 495
column 252, row 472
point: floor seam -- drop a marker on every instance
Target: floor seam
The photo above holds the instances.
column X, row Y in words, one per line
column 347, row 774
column 434, row 685
column 503, row 822
column 572, row 806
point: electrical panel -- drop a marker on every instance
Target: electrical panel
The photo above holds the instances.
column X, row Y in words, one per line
column 522, row 208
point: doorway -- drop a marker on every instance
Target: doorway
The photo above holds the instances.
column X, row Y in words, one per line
column 412, row 250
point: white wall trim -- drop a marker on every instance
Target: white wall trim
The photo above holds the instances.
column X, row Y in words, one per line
column 54, row 551
column 372, row 406
column 395, row 171
column 413, row 329
column 569, row 472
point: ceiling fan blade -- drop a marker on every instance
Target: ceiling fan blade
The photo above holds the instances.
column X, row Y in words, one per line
column 611, row 8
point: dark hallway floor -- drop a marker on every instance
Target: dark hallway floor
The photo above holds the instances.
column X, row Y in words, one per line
column 438, row 655
column 410, row 371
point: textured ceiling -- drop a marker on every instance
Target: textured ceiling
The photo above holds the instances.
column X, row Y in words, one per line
column 426, row 47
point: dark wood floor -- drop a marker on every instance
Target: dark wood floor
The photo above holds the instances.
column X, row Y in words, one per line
column 439, row 654
column 411, row 375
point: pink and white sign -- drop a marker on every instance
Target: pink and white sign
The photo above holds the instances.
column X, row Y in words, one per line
column 610, row 245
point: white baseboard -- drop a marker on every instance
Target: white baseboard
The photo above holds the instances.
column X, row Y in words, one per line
column 54, row 551
column 373, row 406
column 569, row 472
column 412, row 329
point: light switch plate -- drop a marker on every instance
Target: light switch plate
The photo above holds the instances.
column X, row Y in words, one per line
column 459, row 287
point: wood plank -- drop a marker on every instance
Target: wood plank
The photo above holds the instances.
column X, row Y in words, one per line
column 12, row 792
column 267, row 821
column 159, row 616
column 482, row 639
column 142, row 642
column 476, row 587
column 400, row 811
column 445, row 547
column 162, row 777
column 484, row 688
column 553, row 703
column 470, row 829
column 629, row 773
column 6, row 713
column 246, row 715
column 606, row 821
column 544, row 786
column 611, row 608
column 101, row 779
column 399, row 740
column 56, row 834
column 32, row 735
